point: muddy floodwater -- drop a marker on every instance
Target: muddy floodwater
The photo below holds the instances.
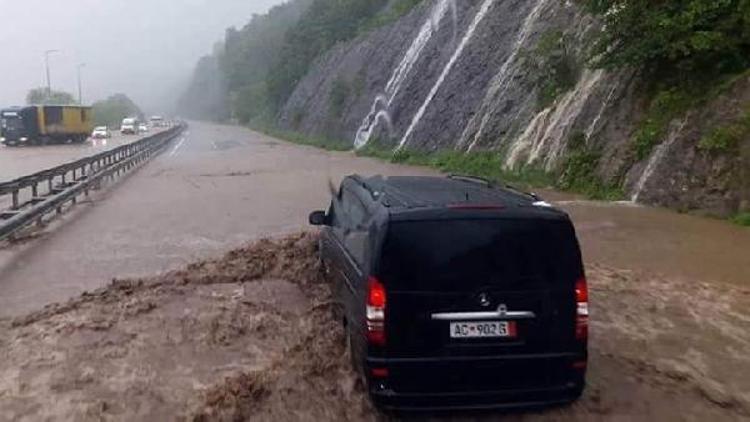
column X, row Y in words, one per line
column 662, row 241
column 251, row 336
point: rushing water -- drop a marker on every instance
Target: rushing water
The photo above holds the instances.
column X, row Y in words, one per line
column 630, row 236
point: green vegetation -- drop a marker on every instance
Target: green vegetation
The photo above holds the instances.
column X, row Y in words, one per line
column 675, row 41
column 40, row 96
column 252, row 73
column 485, row 164
column 727, row 138
column 579, row 174
column 111, row 111
column 687, row 51
column 298, row 138
column 391, row 14
column 340, row 92
column 666, row 106
column 554, row 66
column 743, row 219
column 324, row 24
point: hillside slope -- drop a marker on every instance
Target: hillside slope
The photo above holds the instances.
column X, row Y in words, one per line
column 512, row 76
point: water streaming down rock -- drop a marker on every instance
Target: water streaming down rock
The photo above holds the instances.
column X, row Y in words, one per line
column 383, row 101
column 446, row 70
column 607, row 102
column 501, row 81
column 657, row 157
column 545, row 138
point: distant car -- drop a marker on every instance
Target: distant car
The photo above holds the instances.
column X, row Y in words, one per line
column 143, row 128
column 101, row 132
column 455, row 294
column 129, row 127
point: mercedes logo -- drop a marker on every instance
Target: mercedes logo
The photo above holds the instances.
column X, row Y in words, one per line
column 484, row 300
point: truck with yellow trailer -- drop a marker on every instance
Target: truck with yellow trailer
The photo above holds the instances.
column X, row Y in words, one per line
column 43, row 124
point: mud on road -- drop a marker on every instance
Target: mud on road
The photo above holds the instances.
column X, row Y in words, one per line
column 251, row 336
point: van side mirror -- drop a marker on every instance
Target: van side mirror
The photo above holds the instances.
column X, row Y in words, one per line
column 318, row 218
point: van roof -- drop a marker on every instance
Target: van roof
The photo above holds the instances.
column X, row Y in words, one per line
column 410, row 194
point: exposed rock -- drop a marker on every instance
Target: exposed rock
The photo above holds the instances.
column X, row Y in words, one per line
column 438, row 79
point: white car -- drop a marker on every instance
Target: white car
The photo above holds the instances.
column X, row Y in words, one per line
column 101, row 132
column 143, row 128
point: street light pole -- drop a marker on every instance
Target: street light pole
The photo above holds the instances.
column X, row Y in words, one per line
column 46, row 65
column 80, row 89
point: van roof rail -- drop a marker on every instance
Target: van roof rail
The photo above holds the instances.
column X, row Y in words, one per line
column 471, row 179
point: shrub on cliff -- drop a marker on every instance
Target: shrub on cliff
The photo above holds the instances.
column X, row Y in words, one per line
column 674, row 40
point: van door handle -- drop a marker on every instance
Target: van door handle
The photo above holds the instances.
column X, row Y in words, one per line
column 485, row 315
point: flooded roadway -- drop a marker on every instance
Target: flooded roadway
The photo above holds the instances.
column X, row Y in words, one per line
column 662, row 241
column 670, row 294
column 222, row 186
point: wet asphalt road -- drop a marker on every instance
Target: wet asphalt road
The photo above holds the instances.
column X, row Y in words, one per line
column 221, row 186
column 16, row 162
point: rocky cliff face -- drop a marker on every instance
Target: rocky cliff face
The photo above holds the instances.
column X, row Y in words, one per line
column 510, row 76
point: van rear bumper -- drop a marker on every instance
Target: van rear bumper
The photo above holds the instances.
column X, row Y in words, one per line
column 477, row 383
column 486, row 400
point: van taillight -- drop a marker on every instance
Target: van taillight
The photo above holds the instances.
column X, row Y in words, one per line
column 376, row 302
column 582, row 309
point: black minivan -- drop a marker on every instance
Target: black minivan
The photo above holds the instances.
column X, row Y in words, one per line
column 457, row 294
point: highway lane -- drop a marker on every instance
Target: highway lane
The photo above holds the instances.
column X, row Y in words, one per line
column 16, row 162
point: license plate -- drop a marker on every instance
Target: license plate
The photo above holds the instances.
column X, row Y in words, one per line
column 485, row 329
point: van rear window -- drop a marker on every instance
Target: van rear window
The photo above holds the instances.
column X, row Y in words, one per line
column 458, row 255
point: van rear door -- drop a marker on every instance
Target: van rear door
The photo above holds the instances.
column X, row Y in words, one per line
column 480, row 287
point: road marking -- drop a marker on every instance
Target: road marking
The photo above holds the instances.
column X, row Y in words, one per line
column 177, row 147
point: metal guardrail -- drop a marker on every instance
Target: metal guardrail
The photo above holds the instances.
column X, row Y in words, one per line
column 27, row 200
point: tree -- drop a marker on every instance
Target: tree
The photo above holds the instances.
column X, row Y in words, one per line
column 40, row 96
column 324, row 24
column 111, row 111
column 675, row 40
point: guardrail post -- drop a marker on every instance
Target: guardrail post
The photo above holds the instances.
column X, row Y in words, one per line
column 86, row 177
column 35, row 190
column 15, row 199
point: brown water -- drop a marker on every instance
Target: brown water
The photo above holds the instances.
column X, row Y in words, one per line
column 670, row 299
column 662, row 242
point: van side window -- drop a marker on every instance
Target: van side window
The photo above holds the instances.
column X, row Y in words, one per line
column 355, row 234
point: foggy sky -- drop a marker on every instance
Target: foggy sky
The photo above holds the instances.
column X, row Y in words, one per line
column 146, row 49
